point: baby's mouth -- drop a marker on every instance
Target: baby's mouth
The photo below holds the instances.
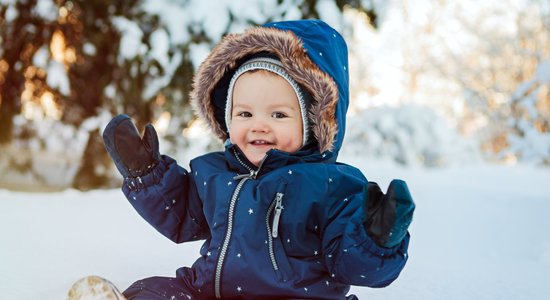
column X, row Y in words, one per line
column 261, row 143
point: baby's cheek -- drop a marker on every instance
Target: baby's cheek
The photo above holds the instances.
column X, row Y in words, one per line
column 235, row 133
column 291, row 143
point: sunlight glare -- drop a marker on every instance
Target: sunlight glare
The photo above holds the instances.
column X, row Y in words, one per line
column 57, row 46
column 49, row 106
column 161, row 124
column 194, row 130
column 29, row 109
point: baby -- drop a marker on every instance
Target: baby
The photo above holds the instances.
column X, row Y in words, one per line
column 279, row 216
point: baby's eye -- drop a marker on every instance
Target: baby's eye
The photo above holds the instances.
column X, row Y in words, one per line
column 244, row 114
column 278, row 115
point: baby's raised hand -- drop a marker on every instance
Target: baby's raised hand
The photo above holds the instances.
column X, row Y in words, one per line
column 133, row 156
column 387, row 217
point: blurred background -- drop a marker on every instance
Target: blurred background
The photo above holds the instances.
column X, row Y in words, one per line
column 434, row 83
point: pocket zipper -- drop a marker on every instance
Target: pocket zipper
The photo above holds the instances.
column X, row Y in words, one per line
column 272, row 232
column 277, row 216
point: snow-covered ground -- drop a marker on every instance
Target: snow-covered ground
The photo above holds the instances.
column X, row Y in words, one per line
column 480, row 232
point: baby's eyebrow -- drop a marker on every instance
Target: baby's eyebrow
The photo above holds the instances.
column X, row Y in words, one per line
column 279, row 106
column 241, row 106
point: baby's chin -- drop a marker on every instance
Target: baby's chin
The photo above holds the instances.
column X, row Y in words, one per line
column 255, row 157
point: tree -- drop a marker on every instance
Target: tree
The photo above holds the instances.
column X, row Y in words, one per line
column 490, row 63
column 468, row 60
column 67, row 66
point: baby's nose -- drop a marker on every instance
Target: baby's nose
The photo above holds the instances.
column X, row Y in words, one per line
column 260, row 125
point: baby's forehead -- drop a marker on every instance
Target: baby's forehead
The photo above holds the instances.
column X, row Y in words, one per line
column 262, row 83
column 269, row 106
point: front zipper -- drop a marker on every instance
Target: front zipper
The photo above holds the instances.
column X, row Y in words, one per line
column 225, row 245
column 230, row 215
column 272, row 232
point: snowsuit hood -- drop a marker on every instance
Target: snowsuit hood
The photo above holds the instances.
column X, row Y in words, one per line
column 312, row 52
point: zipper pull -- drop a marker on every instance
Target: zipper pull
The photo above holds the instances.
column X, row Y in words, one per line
column 277, row 216
column 241, row 176
column 251, row 175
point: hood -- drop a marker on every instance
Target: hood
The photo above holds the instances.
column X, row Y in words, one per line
column 312, row 52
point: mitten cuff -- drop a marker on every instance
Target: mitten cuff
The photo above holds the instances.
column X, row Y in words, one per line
column 153, row 177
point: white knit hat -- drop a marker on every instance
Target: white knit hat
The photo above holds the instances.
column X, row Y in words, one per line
column 275, row 66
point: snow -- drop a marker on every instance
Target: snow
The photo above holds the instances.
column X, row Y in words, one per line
column 11, row 12
column 328, row 12
column 89, row 49
column 409, row 134
column 174, row 17
column 198, row 53
column 157, row 83
column 46, row 9
column 479, row 232
column 530, row 143
column 131, row 38
column 41, row 57
column 543, row 71
column 57, row 77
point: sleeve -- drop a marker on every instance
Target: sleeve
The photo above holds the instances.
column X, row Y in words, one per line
column 351, row 256
column 167, row 199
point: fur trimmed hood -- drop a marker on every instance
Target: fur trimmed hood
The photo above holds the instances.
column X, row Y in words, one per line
column 313, row 53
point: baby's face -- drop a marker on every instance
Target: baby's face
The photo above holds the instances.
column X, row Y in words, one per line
column 265, row 115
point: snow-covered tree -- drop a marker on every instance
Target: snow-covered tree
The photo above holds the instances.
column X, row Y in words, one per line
column 464, row 59
column 530, row 120
column 66, row 67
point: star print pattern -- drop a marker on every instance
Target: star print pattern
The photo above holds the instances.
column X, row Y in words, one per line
column 258, row 209
column 315, row 252
column 251, row 211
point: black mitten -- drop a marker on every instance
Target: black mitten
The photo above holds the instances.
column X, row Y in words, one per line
column 133, row 156
column 387, row 217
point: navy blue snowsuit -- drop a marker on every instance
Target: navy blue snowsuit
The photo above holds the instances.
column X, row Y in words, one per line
column 291, row 228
